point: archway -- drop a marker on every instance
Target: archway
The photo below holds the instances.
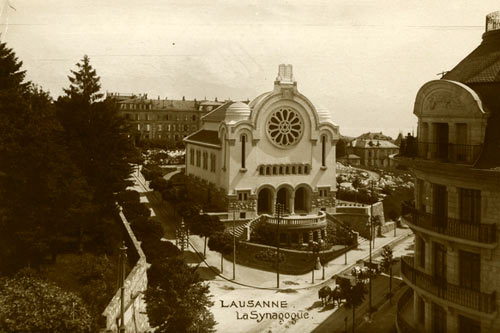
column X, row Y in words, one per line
column 264, row 201
column 283, row 197
column 302, row 200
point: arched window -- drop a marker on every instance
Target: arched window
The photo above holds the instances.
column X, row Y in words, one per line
column 243, row 139
column 323, row 151
column 268, row 170
column 262, row 170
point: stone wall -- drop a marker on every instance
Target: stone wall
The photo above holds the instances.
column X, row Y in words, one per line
column 136, row 283
column 357, row 217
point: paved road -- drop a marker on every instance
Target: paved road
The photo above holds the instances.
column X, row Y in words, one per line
column 380, row 287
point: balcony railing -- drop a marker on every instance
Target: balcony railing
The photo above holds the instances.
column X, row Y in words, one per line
column 403, row 325
column 472, row 299
column 444, row 152
column 297, row 220
column 476, row 232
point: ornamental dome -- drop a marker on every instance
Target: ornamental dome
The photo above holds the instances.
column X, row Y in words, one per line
column 237, row 111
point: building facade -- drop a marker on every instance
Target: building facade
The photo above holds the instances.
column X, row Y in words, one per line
column 278, row 148
column 455, row 272
column 373, row 152
column 162, row 119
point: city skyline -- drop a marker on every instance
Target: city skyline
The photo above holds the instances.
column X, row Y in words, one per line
column 365, row 62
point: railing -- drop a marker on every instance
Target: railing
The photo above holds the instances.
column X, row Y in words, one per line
column 472, row 299
column 298, row 220
column 403, row 325
column 445, row 152
column 477, row 232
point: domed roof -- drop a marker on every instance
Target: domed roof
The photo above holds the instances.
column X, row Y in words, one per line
column 324, row 114
column 237, row 111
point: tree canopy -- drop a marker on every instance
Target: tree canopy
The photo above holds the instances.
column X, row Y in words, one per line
column 176, row 299
column 84, row 84
column 30, row 304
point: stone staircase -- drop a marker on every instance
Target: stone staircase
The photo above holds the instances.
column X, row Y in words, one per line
column 239, row 231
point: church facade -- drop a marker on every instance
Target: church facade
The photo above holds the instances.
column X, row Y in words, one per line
column 278, row 148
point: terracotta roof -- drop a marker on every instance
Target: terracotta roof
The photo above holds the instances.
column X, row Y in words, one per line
column 204, row 137
column 482, row 64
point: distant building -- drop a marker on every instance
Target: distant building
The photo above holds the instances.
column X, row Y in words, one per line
column 454, row 276
column 162, row 119
column 374, row 149
column 279, row 148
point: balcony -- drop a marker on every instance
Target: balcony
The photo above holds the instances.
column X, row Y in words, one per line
column 442, row 152
column 299, row 221
column 471, row 299
column 475, row 232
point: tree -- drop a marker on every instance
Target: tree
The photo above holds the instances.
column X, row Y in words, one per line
column 30, row 304
column 340, row 148
column 41, row 187
column 84, row 84
column 159, row 184
column 221, row 242
column 205, row 226
column 176, row 299
column 100, row 147
column 354, row 295
column 387, row 261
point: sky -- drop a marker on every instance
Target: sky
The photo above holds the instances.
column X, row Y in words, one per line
column 363, row 60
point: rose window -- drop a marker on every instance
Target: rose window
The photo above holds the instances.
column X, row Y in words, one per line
column 285, row 127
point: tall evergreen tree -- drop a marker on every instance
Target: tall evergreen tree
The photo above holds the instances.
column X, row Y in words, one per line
column 100, row 147
column 39, row 184
column 84, row 84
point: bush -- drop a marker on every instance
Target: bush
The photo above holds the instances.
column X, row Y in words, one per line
column 269, row 255
column 133, row 210
column 127, row 196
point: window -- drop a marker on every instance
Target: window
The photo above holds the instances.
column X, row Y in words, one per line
column 421, row 194
column 127, row 116
column 323, row 151
column 262, row 170
column 470, row 206
column 212, row 162
column 438, row 319
column 468, row 325
column 323, row 192
column 186, row 128
column 243, row 215
column 243, row 195
column 198, row 158
column 421, row 313
column 148, row 127
column 160, row 127
column 421, row 247
column 469, row 267
column 191, row 156
column 243, row 140
column 136, row 116
column 299, row 169
column 147, row 116
column 185, row 118
column 193, row 117
column 138, row 127
column 205, row 160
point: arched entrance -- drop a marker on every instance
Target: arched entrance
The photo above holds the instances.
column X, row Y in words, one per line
column 264, row 201
column 283, row 197
column 302, row 200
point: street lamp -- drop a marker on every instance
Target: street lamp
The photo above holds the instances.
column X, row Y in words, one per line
column 315, row 250
column 234, row 245
column 278, row 211
column 123, row 256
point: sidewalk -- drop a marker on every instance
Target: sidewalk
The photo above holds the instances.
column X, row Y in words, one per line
column 256, row 278
column 252, row 277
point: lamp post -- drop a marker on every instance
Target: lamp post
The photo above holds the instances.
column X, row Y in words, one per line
column 123, row 256
column 279, row 210
column 234, row 245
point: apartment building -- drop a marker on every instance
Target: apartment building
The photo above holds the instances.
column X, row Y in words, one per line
column 455, row 272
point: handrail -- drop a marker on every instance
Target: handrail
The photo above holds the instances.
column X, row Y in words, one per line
column 473, row 299
column 477, row 232
column 442, row 151
column 297, row 220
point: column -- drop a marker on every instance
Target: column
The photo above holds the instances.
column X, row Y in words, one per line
column 292, row 202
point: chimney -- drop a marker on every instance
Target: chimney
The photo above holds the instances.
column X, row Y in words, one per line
column 183, row 98
column 493, row 21
column 285, row 74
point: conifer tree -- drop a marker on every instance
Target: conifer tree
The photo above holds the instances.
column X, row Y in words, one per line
column 84, row 84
